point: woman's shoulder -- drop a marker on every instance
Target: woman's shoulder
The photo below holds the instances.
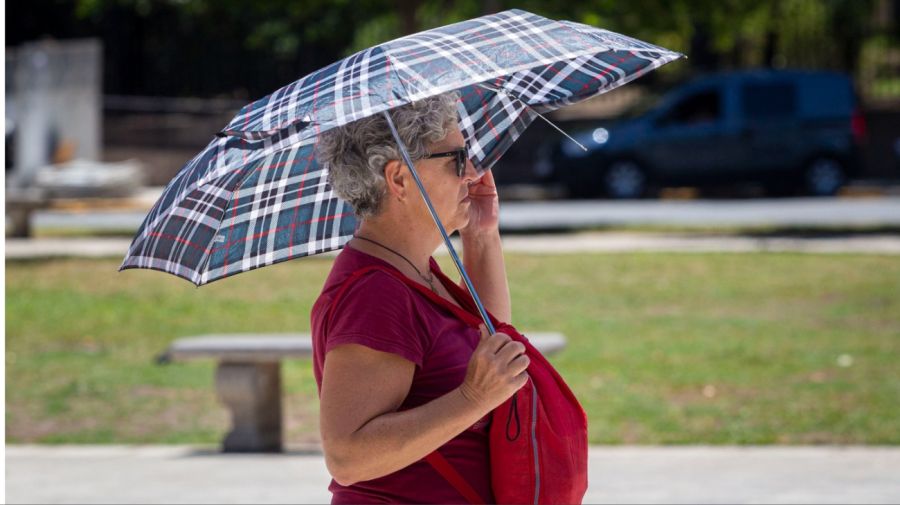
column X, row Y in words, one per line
column 375, row 305
column 375, row 286
column 351, row 261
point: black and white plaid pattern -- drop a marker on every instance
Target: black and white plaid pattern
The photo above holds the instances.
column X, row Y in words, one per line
column 257, row 196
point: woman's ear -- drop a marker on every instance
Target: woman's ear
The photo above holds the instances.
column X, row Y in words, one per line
column 396, row 179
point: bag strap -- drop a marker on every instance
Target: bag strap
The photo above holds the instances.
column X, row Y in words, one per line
column 449, row 473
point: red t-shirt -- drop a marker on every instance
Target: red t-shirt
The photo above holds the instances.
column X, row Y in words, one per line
column 381, row 312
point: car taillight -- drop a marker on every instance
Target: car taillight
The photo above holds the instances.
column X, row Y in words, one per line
column 858, row 126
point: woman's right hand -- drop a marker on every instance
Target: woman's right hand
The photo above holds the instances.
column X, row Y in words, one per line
column 496, row 370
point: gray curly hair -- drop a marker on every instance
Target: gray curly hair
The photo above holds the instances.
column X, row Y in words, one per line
column 356, row 153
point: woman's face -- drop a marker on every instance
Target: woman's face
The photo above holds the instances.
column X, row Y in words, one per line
column 448, row 192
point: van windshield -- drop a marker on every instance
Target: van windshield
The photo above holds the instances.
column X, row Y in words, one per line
column 641, row 106
column 697, row 108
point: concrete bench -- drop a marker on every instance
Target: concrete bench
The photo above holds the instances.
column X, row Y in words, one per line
column 248, row 379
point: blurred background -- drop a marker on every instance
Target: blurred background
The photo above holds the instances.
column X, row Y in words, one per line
column 722, row 260
column 130, row 90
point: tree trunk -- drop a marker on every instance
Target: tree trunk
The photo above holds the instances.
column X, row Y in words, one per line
column 406, row 10
column 702, row 57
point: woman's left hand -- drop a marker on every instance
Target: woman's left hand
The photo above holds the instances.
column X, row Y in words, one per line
column 484, row 211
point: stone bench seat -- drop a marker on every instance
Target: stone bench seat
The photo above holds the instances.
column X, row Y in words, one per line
column 241, row 347
column 248, row 378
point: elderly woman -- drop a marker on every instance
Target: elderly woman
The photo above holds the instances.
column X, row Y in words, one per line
column 399, row 376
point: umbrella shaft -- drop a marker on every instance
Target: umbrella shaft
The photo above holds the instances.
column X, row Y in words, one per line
column 437, row 221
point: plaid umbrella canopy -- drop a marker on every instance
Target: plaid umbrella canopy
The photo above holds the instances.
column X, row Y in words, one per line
column 256, row 195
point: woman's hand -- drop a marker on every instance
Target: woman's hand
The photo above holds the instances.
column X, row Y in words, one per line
column 496, row 370
column 484, row 211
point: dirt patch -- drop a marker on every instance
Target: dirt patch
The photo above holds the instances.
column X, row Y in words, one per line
column 816, row 438
column 27, row 425
column 632, row 433
column 171, row 410
column 153, row 412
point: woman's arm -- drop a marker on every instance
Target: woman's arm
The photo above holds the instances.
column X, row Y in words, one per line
column 482, row 250
column 363, row 435
column 483, row 259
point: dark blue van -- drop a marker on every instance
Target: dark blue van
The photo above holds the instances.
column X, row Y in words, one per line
column 794, row 132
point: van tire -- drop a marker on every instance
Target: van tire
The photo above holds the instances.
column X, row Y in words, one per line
column 823, row 176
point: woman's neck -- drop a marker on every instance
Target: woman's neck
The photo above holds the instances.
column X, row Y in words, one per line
column 416, row 246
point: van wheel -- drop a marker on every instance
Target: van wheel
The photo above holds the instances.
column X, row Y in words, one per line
column 824, row 176
column 624, row 179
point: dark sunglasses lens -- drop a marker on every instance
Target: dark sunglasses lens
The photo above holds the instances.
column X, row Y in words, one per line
column 460, row 163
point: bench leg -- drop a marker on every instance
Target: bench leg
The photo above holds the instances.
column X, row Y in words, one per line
column 21, row 222
column 252, row 392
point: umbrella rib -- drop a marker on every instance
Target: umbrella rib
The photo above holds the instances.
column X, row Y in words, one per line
column 523, row 102
column 202, row 265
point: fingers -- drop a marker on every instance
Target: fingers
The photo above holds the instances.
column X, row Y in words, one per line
column 522, row 378
column 484, row 186
column 501, row 345
column 497, row 369
column 511, row 349
column 519, row 365
column 491, row 344
column 487, row 178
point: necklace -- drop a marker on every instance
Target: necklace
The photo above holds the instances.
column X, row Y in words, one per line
column 429, row 279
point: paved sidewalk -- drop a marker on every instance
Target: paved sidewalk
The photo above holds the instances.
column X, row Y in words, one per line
column 678, row 474
column 781, row 213
column 539, row 243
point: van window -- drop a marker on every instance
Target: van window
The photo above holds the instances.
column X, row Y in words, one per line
column 768, row 101
column 702, row 107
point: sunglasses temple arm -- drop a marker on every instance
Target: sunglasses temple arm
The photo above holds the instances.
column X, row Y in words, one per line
column 437, row 221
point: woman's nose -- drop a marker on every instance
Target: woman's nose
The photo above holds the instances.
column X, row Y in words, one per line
column 472, row 173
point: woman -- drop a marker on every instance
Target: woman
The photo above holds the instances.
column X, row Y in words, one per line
column 399, row 376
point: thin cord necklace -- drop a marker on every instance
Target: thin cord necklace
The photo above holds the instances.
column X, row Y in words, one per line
column 429, row 279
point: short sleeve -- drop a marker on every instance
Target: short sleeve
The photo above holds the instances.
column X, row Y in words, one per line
column 377, row 311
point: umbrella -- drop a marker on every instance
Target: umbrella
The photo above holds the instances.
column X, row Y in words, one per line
column 256, row 195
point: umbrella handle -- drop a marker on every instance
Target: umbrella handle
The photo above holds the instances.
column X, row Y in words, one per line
column 437, row 221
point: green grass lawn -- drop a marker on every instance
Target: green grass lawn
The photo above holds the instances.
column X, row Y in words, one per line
column 663, row 348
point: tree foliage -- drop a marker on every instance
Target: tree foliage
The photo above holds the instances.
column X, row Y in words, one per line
column 248, row 48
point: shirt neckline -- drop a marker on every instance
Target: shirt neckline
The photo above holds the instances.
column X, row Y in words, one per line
column 432, row 265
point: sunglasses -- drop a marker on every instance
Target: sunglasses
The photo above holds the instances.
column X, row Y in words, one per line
column 461, row 155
